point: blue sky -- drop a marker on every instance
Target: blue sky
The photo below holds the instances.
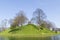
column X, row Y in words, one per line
column 9, row 8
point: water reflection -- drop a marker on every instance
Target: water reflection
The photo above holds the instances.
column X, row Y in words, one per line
column 31, row 38
column 3, row 38
column 56, row 37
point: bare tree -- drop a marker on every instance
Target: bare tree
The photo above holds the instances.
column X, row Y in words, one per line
column 38, row 16
column 43, row 25
column 4, row 24
column 19, row 20
column 50, row 25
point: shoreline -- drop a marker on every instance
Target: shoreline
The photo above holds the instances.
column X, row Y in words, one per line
column 28, row 35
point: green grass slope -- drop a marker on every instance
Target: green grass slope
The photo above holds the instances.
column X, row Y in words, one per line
column 27, row 30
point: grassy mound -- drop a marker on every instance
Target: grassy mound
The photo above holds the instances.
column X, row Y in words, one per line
column 27, row 30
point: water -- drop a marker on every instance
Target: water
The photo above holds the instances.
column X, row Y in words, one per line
column 31, row 38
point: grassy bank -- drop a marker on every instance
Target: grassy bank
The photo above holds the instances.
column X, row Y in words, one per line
column 28, row 31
